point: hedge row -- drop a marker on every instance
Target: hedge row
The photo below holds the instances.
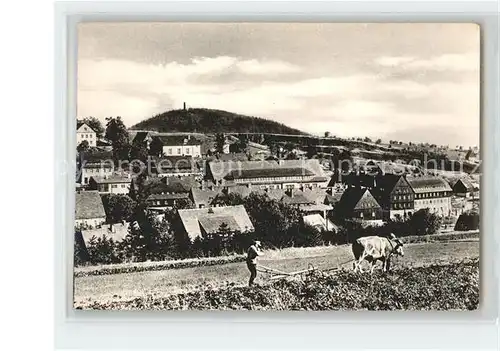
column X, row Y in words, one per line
column 157, row 266
column 441, row 237
column 211, row 261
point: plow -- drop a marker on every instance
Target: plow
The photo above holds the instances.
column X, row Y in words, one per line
column 274, row 274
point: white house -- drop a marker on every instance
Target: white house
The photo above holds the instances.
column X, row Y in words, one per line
column 84, row 132
column 112, row 184
column 180, row 145
column 433, row 193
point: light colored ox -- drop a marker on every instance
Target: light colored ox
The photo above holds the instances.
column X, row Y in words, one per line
column 376, row 248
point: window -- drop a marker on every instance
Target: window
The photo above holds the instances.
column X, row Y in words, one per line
column 170, row 151
column 179, row 151
column 361, row 214
column 124, row 186
column 373, row 214
column 114, row 186
column 187, row 150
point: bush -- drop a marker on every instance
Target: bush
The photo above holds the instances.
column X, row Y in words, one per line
column 468, row 221
column 103, row 251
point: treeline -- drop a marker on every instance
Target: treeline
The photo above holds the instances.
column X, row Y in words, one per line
column 202, row 120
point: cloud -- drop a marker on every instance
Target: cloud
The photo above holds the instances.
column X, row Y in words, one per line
column 266, row 67
column 445, row 62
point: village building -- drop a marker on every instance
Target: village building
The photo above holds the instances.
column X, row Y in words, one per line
column 176, row 166
column 84, row 132
column 282, row 174
column 433, row 193
column 394, row 194
column 111, row 184
column 203, row 198
column 99, row 164
column 320, row 223
column 89, row 210
column 465, row 187
column 206, row 222
column 359, row 203
column 168, row 192
column 178, row 145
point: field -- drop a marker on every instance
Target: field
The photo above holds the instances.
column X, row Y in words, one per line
column 120, row 290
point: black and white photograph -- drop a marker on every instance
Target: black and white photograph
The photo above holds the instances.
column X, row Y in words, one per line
column 277, row 166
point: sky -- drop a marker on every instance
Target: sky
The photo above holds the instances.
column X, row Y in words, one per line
column 408, row 82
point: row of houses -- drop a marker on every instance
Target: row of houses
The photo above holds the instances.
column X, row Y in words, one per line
column 185, row 173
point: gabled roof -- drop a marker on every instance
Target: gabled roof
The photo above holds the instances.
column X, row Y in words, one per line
column 89, row 205
column 167, row 196
column 82, row 127
column 212, row 224
column 119, row 232
column 428, row 184
column 317, row 221
column 191, row 218
column 203, row 197
column 355, row 198
column 141, row 137
column 171, row 185
column 177, row 140
column 316, row 195
column 298, row 198
column 466, row 183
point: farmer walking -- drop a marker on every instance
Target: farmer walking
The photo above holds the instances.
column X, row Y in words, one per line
column 253, row 252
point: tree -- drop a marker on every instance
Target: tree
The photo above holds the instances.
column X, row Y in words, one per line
column 367, row 140
column 424, row 222
column 327, row 134
column 118, row 207
column 83, row 147
column 220, row 140
column 379, row 141
column 95, row 124
column 224, row 199
column 275, row 222
column 116, row 132
column 156, row 147
column 139, row 152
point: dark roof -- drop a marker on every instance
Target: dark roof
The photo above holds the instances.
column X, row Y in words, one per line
column 169, row 163
column 212, row 224
column 171, row 185
column 203, row 197
column 174, row 140
column 168, row 196
column 269, row 172
column 467, row 183
column 220, row 169
column 89, row 205
column 428, row 184
column 297, row 198
column 115, row 178
column 387, row 182
column 140, row 137
column 355, row 198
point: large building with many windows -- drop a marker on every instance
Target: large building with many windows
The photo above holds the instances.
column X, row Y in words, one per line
column 433, row 193
column 282, row 174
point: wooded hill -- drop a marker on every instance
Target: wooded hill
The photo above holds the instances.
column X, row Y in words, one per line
column 203, row 120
